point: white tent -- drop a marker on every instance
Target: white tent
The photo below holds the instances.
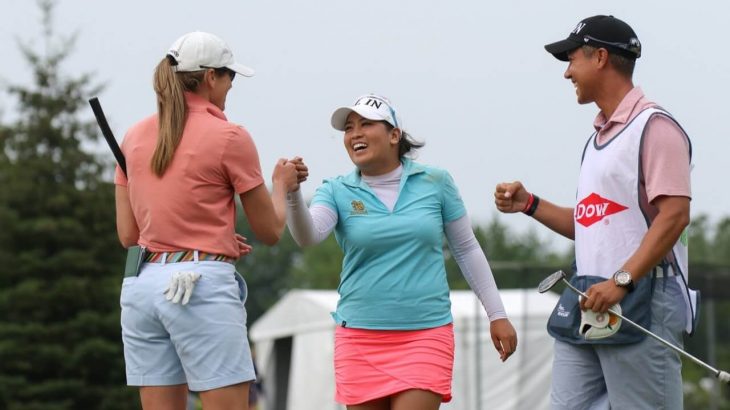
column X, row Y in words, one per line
column 294, row 344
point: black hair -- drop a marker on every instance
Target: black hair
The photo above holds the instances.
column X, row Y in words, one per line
column 407, row 143
column 622, row 64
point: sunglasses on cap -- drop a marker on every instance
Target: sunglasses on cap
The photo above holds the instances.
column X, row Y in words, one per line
column 633, row 47
column 222, row 70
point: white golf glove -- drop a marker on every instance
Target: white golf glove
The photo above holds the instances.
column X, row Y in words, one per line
column 181, row 287
column 599, row 325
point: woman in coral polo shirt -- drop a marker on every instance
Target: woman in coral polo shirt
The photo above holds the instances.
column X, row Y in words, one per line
column 183, row 316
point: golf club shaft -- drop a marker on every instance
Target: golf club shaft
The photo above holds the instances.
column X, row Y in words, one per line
column 106, row 131
column 648, row 333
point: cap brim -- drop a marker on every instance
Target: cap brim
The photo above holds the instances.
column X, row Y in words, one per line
column 560, row 49
column 339, row 117
column 242, row 69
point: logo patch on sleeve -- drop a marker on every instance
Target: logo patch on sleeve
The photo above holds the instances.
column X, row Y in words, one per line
column 594, row 208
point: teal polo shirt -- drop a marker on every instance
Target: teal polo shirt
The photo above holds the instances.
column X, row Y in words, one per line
column 393, row 274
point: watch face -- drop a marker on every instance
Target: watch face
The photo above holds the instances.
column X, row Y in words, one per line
column 623, row 278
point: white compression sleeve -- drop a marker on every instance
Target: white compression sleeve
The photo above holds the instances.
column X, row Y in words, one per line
column 474, row 266
column 308, row 226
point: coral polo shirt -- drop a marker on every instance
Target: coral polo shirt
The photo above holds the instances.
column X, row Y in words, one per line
column 191, row 207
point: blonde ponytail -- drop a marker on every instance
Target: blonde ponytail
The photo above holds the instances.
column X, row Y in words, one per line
column 172, row 111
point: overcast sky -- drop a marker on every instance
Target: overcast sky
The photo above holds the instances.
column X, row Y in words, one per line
column 470, row 78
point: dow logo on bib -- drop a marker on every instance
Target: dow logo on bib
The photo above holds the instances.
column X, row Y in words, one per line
column 594, row 208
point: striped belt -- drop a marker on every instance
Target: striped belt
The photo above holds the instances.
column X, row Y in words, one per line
column 186, row 256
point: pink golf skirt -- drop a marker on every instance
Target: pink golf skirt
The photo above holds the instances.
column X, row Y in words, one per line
column 371, row 364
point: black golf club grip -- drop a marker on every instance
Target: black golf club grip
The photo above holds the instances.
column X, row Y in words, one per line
column 108, row 135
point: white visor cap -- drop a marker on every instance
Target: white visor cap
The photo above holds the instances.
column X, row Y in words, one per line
column 200, row 50
column 371, row 106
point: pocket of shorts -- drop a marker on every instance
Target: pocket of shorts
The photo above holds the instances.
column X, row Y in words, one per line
column 675, row 308
column 127, row 289
column 221, row 281
column 242, row 287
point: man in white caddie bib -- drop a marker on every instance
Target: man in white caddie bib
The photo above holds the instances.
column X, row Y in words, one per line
column 628, row 223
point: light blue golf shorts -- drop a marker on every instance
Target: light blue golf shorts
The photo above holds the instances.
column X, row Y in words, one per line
column 203, row 344
column 646, row 375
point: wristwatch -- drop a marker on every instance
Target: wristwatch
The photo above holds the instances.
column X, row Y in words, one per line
column 623, row 279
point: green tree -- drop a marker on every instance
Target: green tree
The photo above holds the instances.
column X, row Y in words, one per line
column 318, row 267
column 517, row 261
column 709, row 244
column 267, row 270
column 59, row 281
column 700, row 244
column 721, row 242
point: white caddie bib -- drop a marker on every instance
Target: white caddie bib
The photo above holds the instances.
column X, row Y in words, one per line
column 609, row 221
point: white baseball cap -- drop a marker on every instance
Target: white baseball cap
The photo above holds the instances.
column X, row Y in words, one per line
column 199, row 50
column 370, row 106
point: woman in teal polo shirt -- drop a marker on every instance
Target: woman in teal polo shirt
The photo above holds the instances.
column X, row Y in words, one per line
column 394, row 343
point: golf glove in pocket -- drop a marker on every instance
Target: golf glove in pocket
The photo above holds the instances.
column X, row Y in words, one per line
column 181, row 287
